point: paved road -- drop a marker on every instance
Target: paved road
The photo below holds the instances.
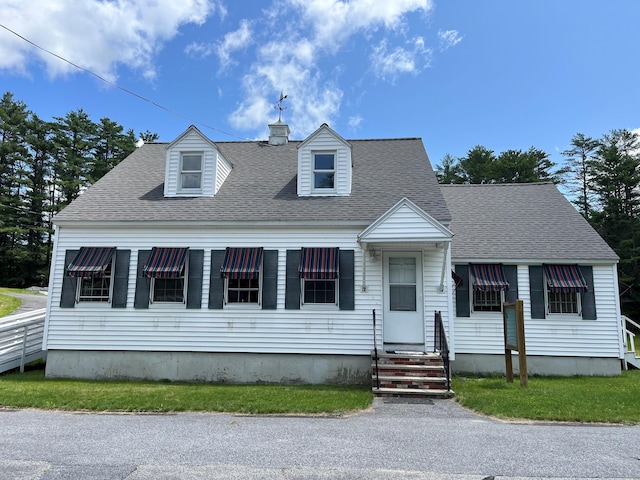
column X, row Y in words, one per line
column 29, row 301
column 436, row 440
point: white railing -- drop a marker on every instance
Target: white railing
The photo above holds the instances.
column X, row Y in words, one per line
column 21, row 339
column 629, row 336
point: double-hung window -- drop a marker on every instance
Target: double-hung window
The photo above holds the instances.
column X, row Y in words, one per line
column 563, row 285
column 489, row 284
column 324, row 170
column 191, row 171
column 166, row 268
column 319, row 272
column 93, row 267
column 242, row 272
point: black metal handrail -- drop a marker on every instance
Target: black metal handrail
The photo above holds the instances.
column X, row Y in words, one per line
column 375, row 350
column 441, row 345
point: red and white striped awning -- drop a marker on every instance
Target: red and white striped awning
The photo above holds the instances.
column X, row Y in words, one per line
column 319, row 263
column 488, row 277
column 90, row 262
column 565, row 278
column 242, row 263
column 165, row 263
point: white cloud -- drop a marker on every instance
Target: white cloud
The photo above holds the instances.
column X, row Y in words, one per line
column 389, row 64
column 354, row 122
column 448, row 38
column 297, row 38
column 96, row 35
column 239, row 39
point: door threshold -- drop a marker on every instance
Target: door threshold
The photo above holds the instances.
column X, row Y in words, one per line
column 404, row 347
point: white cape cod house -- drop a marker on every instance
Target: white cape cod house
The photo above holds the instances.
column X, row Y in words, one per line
column 266, row 261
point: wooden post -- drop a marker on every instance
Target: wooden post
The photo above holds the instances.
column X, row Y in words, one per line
column 522, row 349
column 513, row 319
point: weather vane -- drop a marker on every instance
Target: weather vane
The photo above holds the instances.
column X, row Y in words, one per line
column 279, row 105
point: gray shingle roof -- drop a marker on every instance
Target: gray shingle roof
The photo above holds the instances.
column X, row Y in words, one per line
column 262, row 187
column 520, row 221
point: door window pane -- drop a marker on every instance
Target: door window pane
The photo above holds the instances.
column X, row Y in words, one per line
column 402, row 298
column 402, row 270
column 402, row 284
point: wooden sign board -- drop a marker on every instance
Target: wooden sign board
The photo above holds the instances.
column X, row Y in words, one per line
column 513, row 320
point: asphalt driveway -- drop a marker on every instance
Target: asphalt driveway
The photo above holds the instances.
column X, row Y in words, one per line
column 426, row 440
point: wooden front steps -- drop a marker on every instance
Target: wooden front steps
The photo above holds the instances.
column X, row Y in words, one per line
column 415, row 374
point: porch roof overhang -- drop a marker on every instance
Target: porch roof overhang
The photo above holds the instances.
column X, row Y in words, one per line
column 405, row 223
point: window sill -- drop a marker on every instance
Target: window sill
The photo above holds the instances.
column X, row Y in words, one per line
column 242, row 306
column 85, row 304
column 568, row 317
column 319, row 306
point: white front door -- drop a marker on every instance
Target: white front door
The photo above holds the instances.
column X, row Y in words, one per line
column 403, row 303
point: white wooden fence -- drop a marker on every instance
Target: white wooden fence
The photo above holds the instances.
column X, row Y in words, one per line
column 21, row 339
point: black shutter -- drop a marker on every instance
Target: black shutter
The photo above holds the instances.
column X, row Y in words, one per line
column 216, row 282
column 143, row 284
column 120, row 278
column 463, row 307
column 69, row 284
column 536, row 289
column 347, row 280
column 270, row 280
column 292, row 293
column 194, row 283
column 588, row 297
column 511, row 274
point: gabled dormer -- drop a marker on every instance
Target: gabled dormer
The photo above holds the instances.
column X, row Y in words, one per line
column 324, row 164
column 194, row 166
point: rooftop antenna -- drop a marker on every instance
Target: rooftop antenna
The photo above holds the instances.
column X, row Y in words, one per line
column 279, row 105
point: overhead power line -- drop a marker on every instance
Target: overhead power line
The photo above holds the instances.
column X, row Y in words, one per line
column 126, row 90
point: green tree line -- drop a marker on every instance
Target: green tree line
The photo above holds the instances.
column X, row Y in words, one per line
column 601, row 177
column 44, row 165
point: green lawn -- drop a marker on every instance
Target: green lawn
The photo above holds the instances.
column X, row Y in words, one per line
column 32, row 390
column 8, row 304
column 572, row 399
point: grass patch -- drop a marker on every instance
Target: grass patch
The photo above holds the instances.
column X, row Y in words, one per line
column 571, row 399
column 18, row 290
column 8, row 304
column 33, row 390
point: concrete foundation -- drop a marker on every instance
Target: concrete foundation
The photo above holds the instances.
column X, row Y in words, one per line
column 211, row 367
column 536, row 365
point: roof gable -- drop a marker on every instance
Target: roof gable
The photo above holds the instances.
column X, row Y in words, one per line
column 324, row 128
column 324, row 164
column 405, row 222
column 192, row 130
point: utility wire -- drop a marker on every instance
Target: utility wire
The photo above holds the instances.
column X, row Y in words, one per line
column 130, row 92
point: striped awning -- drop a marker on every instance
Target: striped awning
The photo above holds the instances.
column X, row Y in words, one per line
column 488, row 277
column 242, row 263
column 565, row 278
column 165, row 263
column 90, row 262
column 319, row 263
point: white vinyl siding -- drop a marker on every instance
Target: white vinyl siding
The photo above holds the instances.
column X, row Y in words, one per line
column 554, row 335
column 167, row 328
column 324, row 142
column 215, row 167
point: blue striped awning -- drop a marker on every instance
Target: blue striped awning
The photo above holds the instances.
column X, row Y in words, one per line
column 166, row 263
column 319, row 263
column 488, row 277
column 565, row 278
column 90, row 262
column 242, row 263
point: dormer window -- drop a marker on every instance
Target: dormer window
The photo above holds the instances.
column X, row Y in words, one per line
column 191, row 171
column 324, row 170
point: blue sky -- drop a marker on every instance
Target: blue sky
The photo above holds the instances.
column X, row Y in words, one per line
column 457, row 73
